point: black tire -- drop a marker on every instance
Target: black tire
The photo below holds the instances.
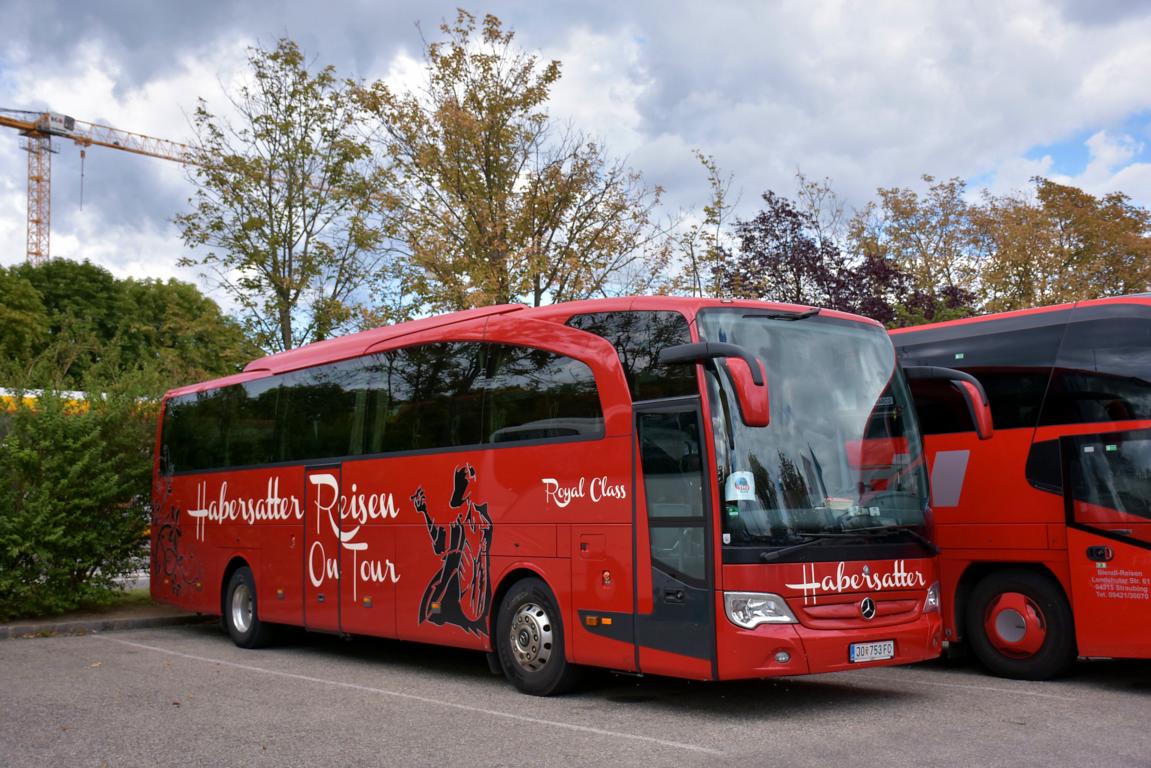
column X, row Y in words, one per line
column 240, row 613
column 530, row 640
column 1019, row 625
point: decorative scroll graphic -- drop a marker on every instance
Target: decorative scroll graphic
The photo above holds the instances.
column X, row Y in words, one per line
column 170, row 565
column 461, row 592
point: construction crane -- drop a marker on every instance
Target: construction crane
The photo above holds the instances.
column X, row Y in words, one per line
column 38, row 128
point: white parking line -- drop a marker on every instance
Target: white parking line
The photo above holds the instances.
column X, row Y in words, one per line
column 423, row 699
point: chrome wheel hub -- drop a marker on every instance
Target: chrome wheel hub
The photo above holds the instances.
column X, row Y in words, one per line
column 531, row 637
column 242, row 608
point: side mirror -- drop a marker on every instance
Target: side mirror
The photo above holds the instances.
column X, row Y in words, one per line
column 748, row 376
column 974, row 396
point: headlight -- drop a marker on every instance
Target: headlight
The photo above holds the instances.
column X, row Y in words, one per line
column 931, row 604
column 750, row 609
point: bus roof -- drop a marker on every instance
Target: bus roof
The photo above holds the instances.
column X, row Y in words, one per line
column 355, row 344
column 1134, row 298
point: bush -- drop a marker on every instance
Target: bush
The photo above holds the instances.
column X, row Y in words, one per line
column 74, row 488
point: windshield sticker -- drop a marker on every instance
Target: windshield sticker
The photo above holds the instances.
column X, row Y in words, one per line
column 740, row 486
column 867, row 579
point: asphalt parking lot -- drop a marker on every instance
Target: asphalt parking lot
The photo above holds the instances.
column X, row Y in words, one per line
column 186, row 696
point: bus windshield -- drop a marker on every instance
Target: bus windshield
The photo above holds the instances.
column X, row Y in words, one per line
column 842, row 456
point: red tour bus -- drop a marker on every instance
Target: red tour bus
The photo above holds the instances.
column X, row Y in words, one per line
column 1045, row 529
column 598, row 483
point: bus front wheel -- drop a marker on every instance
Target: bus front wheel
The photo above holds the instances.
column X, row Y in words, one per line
column 530, row 640
column 240, row 616
column 1020, row 626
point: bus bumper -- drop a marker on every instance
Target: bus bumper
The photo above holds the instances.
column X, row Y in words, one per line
column 772, row 650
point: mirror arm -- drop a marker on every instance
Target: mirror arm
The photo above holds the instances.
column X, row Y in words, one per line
column 937, row 373
column 707, row 350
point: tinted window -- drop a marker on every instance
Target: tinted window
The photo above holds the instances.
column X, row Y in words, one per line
column 638, row 337
column 1012, row 358
column 1110, row 478
column 531, row 394
column 195, row 434
column 250, row 423
column 433, row 398
column 940, row 408
column 323, row 408
column 1103, row 373
column 673, row 476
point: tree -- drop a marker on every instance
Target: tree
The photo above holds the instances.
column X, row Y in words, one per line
column 175, row 326
column 74, row 489
column 23, row 320
column 65, row 317
column 1061, row 245
column 929, row 236
column 493, row 202
column 780, row 258
column 283, row 200
column 702, row 244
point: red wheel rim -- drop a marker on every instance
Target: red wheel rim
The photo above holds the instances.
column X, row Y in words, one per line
column 1015, row 625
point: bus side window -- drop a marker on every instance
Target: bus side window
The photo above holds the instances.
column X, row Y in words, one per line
column 533, row 394
column 638, row 337
column 1103, row 373
column 940, row 408
column 1013, row 364
column 433, row 399
column 321, row 407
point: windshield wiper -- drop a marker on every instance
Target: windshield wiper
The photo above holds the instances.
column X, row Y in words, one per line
column 784, row 315
column 882, row 529
column 812, row 540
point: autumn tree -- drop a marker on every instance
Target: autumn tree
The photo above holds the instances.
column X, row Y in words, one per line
column 494, row 201
column 281, row 217
column 1062, row 244
column 928, row 235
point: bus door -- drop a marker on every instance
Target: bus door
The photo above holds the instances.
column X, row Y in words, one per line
column 322, row 555
column 678, row 635
column 1107, row 499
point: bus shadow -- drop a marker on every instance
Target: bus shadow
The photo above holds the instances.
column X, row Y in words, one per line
column 743, row 700
column 1109, row 675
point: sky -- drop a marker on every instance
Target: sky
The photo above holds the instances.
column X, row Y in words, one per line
column 868, row 94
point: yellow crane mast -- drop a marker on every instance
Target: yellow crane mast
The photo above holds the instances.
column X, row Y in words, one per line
column 38, row 128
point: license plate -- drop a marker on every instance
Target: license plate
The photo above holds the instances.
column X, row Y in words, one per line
column 884, row 649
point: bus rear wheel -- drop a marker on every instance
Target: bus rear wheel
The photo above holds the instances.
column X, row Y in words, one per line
column 240, row 615
column 530, row 640
column 1020, row 626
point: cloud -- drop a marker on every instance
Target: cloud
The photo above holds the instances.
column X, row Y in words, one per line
column 868, row 94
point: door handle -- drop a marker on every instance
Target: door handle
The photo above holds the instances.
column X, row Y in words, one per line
column 674, row 596
column 1100, row 554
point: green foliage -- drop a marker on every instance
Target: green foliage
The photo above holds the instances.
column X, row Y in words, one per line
column 61, row 319
column 24, row 323
column 75, row 476
column 73, row 497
